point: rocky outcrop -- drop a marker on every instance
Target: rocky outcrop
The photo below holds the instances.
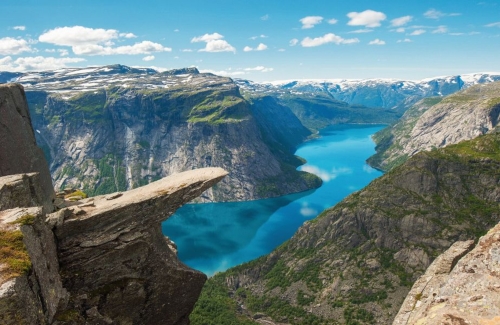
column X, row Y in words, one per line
column 460, row 287
column 438, row 122
column 101, row 260
column 355, row 262
column 20, row 153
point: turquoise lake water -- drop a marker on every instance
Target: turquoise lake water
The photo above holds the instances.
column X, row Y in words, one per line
column 213, row 237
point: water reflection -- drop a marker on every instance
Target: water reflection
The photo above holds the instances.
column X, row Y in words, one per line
column 213, row 237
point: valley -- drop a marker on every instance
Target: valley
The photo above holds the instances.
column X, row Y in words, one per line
column 328, row 249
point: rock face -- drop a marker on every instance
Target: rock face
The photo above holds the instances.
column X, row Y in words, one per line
column 101, row 260
column 115, row 128
column 438, row 122
column 19, row 153
column 460, row 287
column 355, row 262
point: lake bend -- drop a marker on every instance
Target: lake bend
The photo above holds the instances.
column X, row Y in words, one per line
column 212, row 237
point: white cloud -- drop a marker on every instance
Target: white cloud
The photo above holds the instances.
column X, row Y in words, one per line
column 377, row 42
column 176, row 30
column 368, row 18
column 400, row 30
column 186, row 50
column 78, row 35
column 218, row 46
column 260, row 47
column 281, row 50
column 462, row 34
column 333, row 21
column 294, row 42
column 418, row 32
column 97, row 41
column 497, row 24
column 127, row 35
column 19, row 27
column 360, row 31
column 259, row 68
column 436, row 14
column 406, row 40
column 12, row 46
column 261, row 36
column 265, row 17
column 148, row 58
column 207, row 38
column 144, row 47
column 215, row 43
column 401, row 21
column 327, row 38
column 440, row 30
column 310, row 21
column 38, row 63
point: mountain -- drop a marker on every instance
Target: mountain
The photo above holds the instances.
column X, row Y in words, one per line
column 114, row 128
column 437, row 122
column 385, row 93
column 355, row 263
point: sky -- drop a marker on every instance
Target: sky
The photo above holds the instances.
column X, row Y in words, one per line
column 260, row 40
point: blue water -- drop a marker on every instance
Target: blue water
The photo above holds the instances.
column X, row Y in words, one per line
column 213, row 237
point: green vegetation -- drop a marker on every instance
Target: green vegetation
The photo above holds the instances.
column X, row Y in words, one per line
column 219, row 107
column 367, row 295
column 13, row 252
column 76, row 193
column 358, row 316
column 304, row 299
column 277, row 276
column 27, row 219
column 215, row 306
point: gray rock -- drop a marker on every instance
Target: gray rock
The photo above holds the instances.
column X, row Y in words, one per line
column 461, row 287
column 20, row 153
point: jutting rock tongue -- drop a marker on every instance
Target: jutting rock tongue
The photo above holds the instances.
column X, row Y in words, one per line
column 18, row 150
column 101, row 260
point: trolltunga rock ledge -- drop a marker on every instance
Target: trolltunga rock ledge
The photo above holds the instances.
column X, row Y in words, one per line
column 102, row 260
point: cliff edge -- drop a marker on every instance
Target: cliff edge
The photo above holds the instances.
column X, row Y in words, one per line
column 101, row 260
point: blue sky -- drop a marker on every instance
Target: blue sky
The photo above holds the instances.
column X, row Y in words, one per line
column 256, row 39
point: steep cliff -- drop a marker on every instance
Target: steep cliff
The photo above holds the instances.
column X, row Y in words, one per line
column 102, row 260
column 438, row 122
column 19, row 152
column 355, row 263
column 115, row 128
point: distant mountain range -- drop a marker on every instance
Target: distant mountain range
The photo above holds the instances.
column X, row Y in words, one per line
column 386, row 93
